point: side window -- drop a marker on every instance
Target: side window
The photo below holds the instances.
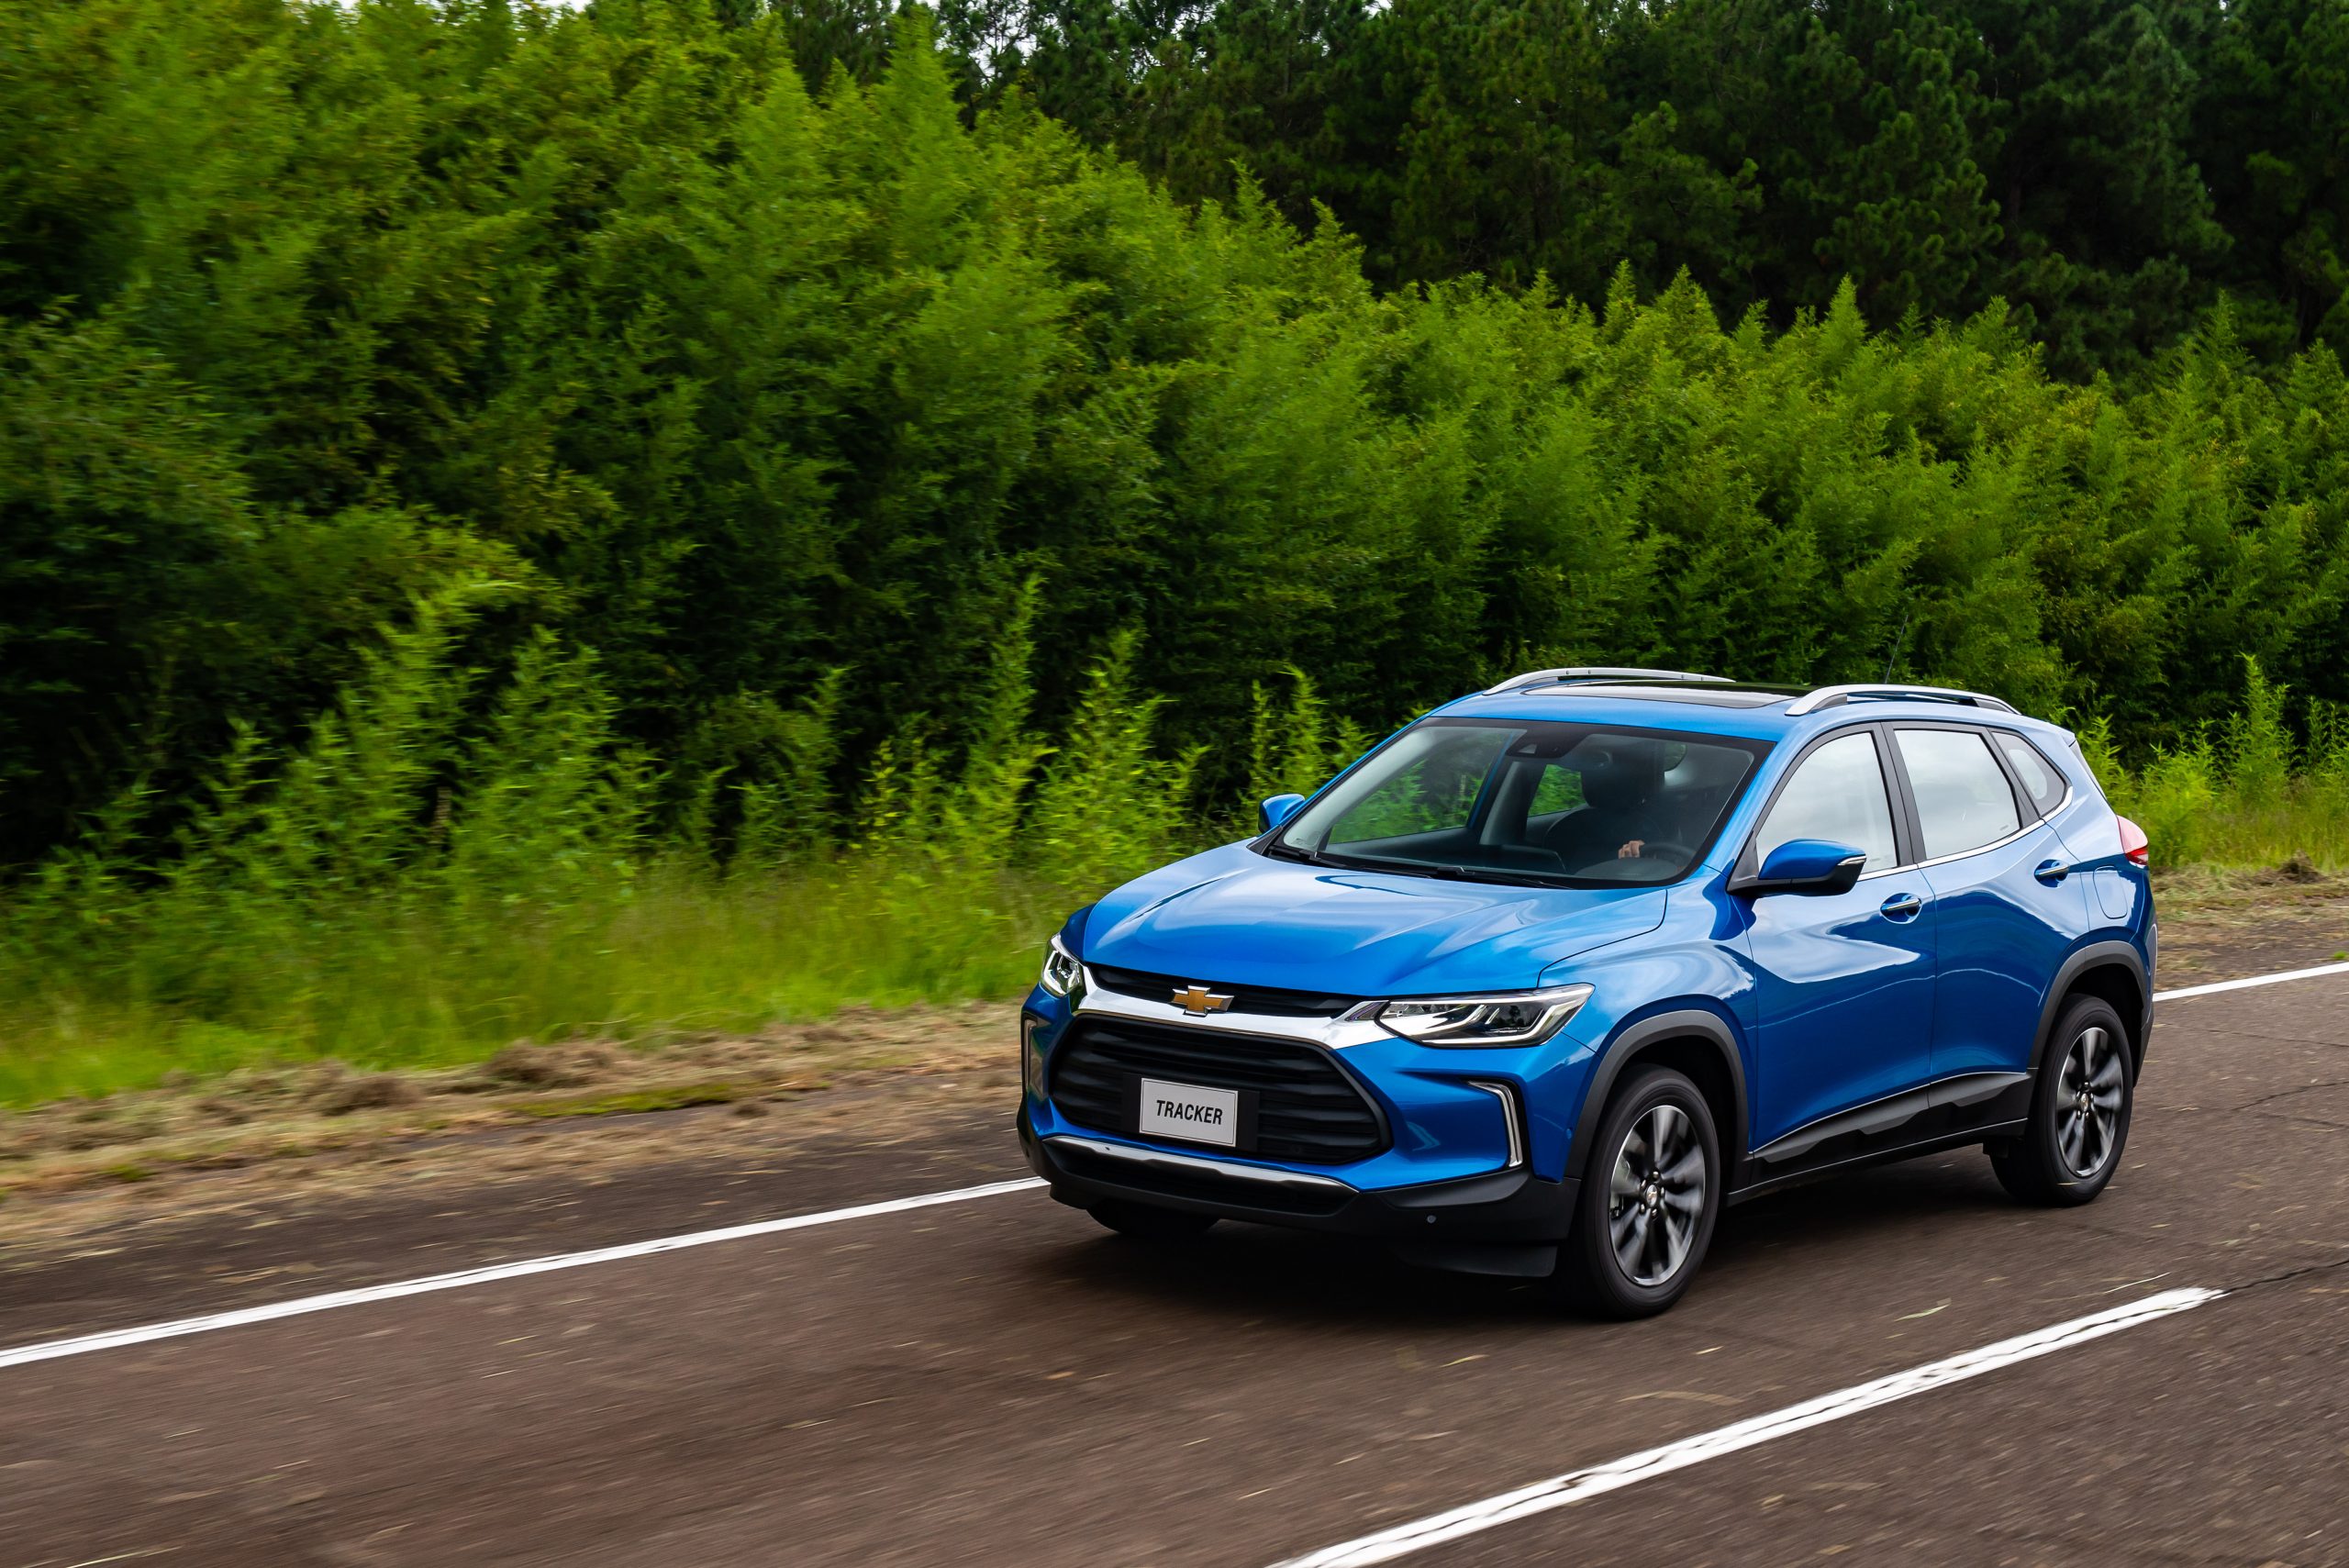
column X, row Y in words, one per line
column 1837, row 794
column 1962, row 798
column 2039, row 779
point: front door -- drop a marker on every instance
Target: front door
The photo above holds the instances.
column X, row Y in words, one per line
column 1843, row 981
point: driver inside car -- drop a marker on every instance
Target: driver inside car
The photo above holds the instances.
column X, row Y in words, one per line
column 1617, row 819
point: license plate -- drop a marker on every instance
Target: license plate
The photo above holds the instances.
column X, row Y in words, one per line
column 1188, row 1111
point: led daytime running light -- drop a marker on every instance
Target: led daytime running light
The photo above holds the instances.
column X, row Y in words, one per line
column 1512, row 1018
column 1063, row 973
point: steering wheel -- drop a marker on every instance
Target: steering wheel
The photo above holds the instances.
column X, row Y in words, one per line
column 1649, row 848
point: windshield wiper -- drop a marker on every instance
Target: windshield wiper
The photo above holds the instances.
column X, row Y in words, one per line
column 1442, row 872
column 1505, row 878
column 1297, row 853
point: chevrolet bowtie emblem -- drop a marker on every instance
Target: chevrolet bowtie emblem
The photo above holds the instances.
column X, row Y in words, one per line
column 1198, row 1001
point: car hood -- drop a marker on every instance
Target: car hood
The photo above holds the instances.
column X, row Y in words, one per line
column 1231, row 916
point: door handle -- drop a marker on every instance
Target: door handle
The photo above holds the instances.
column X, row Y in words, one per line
column 2051, row 871
column 1903, row 907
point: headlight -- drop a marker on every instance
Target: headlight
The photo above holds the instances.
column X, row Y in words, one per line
column 1512, row 1018
column 1062, row 974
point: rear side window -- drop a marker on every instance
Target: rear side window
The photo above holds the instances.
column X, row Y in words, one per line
column 1962, row 798
column 2039, row 779
column 1836, row 794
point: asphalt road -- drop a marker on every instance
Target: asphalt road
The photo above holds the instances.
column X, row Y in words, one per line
column 998, row 1381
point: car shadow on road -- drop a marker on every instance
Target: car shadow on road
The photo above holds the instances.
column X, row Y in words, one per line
column 1844, row 1226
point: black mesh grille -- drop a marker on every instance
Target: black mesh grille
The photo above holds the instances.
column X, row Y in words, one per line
column 1259, row 999
column 1306, row 1107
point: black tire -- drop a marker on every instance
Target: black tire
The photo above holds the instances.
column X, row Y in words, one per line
column 1148, row 1222
column 2071, row 1145
column 1638, row 1240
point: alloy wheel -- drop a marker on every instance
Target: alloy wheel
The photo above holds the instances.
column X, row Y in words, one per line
column 2089, row 1094
column 1656, row 1195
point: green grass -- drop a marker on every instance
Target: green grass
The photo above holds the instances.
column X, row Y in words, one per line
column 679, row 954
column 2254, row 795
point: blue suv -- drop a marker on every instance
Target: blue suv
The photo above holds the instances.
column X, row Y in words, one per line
column 1550, row 976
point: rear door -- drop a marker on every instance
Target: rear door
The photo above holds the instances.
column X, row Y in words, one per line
column 2008, row 908
column 1843, row 981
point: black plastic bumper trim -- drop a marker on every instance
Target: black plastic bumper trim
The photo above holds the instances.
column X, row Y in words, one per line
column 1513, row 1208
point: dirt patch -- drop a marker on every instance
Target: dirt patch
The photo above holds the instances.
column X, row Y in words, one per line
column 74, row 1166
column 2217, row 925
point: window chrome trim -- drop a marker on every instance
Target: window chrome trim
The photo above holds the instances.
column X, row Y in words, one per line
column 1839, row 729
column 2024, row 832
column 1893, row 727
column 1198, row 1164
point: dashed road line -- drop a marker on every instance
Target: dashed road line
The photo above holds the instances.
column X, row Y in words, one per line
column 118, row 1338
column 2216, row 986
column 1580, row 1485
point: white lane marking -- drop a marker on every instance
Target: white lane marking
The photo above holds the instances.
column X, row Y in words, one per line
column 2218, row 985
column 115, row 1339
column 1579, row 1486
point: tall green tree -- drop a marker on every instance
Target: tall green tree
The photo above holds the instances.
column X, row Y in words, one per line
column 2272, row 138
column 2109, row 231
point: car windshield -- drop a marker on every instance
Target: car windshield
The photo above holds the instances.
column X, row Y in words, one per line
column 1522, row 802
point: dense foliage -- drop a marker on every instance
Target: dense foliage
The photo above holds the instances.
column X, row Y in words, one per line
column 771, row 399
column 2108, row 167
column 534, row 523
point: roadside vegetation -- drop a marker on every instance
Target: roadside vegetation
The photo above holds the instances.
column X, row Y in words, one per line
column 522, row 525
column 412, row 887
column 2249, row 791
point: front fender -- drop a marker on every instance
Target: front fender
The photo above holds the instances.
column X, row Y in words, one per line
column 1691, row 1020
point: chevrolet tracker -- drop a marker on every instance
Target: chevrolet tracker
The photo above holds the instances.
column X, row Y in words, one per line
column 1544, row 980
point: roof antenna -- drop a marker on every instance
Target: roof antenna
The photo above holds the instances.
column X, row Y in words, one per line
column 1894, row 657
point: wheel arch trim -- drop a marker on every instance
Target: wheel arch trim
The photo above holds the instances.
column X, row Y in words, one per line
column 2108, row 954
column 1628, row 1043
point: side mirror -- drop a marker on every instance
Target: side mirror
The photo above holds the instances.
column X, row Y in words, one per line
column 1275, row 810
column 1805, row 865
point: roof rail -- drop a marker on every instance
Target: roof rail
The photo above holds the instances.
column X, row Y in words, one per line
column 1831, row 696
column 1601, row 673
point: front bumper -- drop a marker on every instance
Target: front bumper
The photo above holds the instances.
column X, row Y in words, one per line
column 1508, row 1222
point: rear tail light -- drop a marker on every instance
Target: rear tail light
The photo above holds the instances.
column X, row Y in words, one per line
column 2134, row 844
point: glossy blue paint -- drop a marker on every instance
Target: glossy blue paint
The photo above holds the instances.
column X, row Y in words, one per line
column 1800, row 865
column 1917, row 972
column 1844, row 1000
column 1238, row 916
column 2003, row 931
column 1276, row 809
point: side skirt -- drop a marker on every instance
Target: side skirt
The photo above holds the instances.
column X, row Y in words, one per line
column 1972, row 1108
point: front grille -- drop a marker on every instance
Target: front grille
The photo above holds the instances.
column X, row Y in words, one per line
column 1263, row 1000
column 1306, row 1107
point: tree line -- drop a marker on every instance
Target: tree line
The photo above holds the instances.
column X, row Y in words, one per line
column 777, row 364
column 2109, row 167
